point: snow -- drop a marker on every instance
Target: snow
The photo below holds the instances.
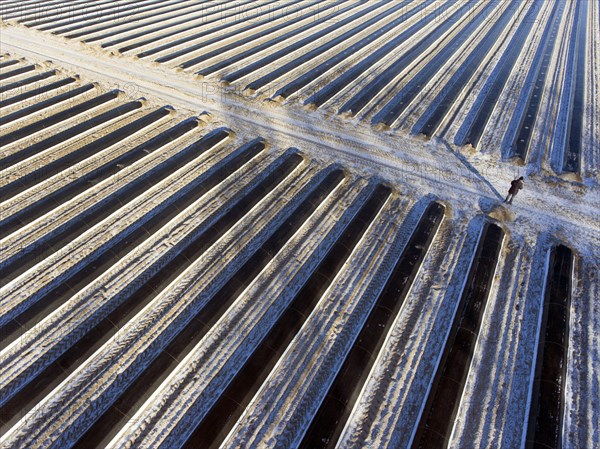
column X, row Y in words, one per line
column 185, row 397
column 95, row 302
column 553, row 208
column 285, row 403
column 391, row 399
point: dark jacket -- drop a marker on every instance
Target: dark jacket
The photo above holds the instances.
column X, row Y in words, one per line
column 515, row 186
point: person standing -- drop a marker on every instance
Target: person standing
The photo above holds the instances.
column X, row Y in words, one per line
column 515, row 186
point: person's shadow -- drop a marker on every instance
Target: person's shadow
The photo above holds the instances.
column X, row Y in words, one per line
column 473, row 170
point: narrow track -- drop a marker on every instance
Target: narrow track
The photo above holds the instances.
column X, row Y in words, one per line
column 489, row 97
column 573, row 148
column 547, row 409
column 330, row 419
column 439, row 413
column 461, row 77
column 217, row 424
column 405, row 96
column 522, row 140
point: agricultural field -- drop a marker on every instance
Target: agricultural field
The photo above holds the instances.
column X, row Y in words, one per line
column 255, row 224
